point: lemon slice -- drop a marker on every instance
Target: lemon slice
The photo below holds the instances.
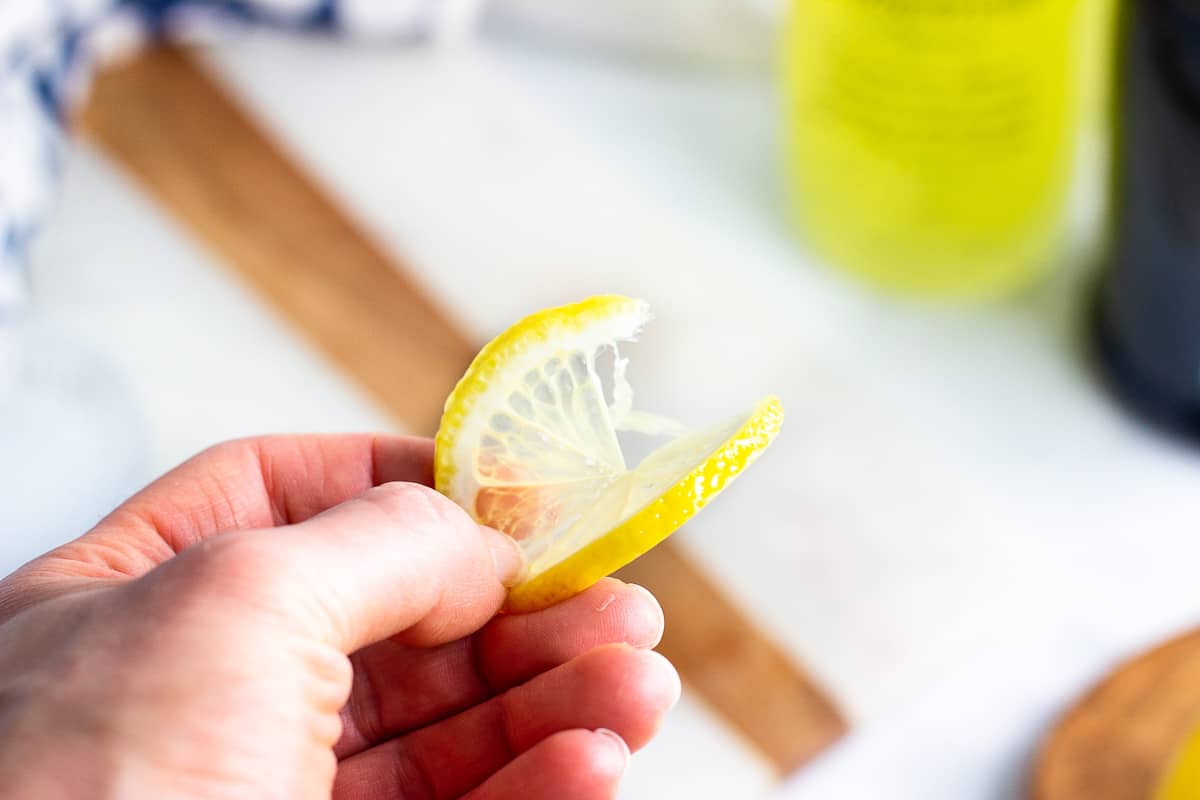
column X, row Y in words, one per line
column 528, row 445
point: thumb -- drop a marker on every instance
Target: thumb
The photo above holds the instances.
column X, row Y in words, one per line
column 398, row 559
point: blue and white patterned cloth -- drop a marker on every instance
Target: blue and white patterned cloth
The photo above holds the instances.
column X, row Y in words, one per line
column 49, row 47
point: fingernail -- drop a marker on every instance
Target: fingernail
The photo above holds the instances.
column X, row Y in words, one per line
column 659, row 623
column 507, row 559
column 618, row 742
column 668, row 667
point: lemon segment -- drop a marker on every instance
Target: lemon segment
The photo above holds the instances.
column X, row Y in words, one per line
column 528, row 445
column 505, row 364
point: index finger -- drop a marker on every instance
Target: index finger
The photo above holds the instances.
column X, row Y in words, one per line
column 243, row 484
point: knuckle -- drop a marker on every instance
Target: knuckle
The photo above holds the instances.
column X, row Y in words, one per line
column 224, row 450
column 192, row 587
column 417, row 506
column 235, row 565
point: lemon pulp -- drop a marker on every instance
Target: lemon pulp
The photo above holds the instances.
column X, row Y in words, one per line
column 528, row 445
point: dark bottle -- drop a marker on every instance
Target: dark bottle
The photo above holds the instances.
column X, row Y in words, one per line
column 1148, row 306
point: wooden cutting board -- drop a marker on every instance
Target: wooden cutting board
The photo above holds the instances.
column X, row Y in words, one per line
column 1117, row 742
column 172, row 126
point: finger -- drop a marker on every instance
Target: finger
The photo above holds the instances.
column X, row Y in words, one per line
column 571, row 765
column 398, row 560
column 514, row 648
column 398, row 687
column 242, row 484
column 264, row 482
column 615, row 687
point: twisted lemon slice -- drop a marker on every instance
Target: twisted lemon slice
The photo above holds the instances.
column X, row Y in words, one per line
column 528, row 445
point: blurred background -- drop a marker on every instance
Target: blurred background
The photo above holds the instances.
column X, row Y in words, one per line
column 959, row 238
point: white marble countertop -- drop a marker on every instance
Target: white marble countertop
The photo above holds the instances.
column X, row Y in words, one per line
column 957, row 531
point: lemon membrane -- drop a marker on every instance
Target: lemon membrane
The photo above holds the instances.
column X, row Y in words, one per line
column 528, row 445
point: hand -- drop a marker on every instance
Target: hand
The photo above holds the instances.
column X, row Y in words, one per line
column 291, row 617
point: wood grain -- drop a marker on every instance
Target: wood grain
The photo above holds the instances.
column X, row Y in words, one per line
column 174, row 128
column 1117, row 741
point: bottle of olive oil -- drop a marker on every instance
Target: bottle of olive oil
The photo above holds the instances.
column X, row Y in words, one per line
column 930, row 143
column 1147, row 321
